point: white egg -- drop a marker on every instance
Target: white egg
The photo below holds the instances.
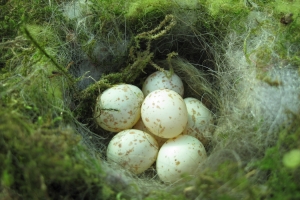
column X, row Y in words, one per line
column 200, row 120
column 141, row 126
column 164, row 113
column 119, row 107
column 163, row 80
column 133, row 149
column 179, row 156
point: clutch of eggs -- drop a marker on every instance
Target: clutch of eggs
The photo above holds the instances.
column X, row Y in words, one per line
column 161, row 127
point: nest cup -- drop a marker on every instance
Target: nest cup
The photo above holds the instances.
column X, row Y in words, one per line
column 173, row 45
column 236, row 68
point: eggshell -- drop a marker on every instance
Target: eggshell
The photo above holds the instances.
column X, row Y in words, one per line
column 179, row 156
column 164, row 113
column 200, row 120
column 163, row 80
column 141, row 126
column 133, row 149
column 119, row 107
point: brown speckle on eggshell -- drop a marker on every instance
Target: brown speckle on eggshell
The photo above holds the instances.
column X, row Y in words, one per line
column 163, row 80
column 118, row 108
column 177, row 156
column 139, row 155
column 200, row 120
column 169, row 117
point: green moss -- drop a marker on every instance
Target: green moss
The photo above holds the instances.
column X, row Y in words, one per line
column 160, row 195
column 14, row 14
column 46, row 163
column 287, row 28
column 288, row 38
column 220, row 7
column 230, row 181
column 36, row 89
column 284, row 28
column 283, row 181
column 228, row 15
column 138, row 9
column 42, row 157
column 146, row 15
column 284, row 6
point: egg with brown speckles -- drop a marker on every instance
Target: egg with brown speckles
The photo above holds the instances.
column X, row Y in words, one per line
column 163, row 80
column 133, row 149
column 119, row 107
column 164, row 113
column 179, row 156
column 200, row 120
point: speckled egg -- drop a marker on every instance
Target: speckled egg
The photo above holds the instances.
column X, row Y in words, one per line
column 163, row 80
column 164, row 113
column 200, row 121
column 141, row 126
column 179, row 156
column 133, row 149
column 119, row 107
